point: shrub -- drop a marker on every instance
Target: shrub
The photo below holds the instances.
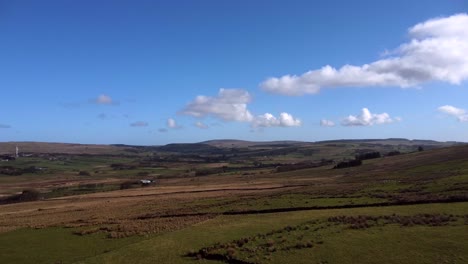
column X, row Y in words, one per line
column 30, row 169
column 84, row 173
column 9, row 170
column 29, row 195
column 231, row 252
column 208, row 171
column 26, row 196
column 347, row 164
column 369, row 155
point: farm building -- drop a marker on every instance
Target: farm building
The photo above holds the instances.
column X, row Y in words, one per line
column 146, row 182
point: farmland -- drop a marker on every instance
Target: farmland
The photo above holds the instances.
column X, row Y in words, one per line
column 236, row 202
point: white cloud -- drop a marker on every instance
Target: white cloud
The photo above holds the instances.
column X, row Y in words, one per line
column 366, row 118
column 459, row 113
column 228, row 105
column 269, row 120
column 287, row 120
column 437, row 51
column 104, row 100
column 452, row 110
column 201, row 125
column 139, row 124
column 327, row 123
column 171, row 123
column 265, row 120
column 231, row 105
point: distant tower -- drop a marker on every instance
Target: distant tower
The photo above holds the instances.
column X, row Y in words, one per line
column 17, row 151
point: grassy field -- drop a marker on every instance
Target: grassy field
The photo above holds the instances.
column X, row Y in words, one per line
column 294, row 237
column 408, row 208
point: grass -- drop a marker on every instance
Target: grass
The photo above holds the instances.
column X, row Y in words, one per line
column 387, row 245
column 81, row 189
column 448, row 243
column 55, row 245
column 292, row 201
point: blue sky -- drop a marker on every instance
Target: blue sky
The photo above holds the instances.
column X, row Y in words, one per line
column 155, row 72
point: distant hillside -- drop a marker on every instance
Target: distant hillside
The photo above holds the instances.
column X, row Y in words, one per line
column 65, row 148
column 393, row 141
column 233, row 143
column 219, row 146
column 188, row 148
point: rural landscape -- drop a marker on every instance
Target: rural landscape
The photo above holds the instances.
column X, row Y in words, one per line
column 231, row 201
column 233, row 132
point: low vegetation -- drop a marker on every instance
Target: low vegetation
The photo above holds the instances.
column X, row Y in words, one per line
column 259, row 203
column 27, row 195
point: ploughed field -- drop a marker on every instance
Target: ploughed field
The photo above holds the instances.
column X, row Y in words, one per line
column 213, row 203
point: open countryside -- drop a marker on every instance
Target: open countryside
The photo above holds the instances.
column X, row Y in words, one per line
column 236, row 202
column 234, row 132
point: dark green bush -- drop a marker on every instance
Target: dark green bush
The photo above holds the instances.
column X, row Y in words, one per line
column 84, row 173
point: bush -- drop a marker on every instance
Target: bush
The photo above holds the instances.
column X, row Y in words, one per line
column 9, row 170
column 84, row 173
column 30, row 169
column 26, row 196
column 393, row 153
column 208, row 171
column 29, row 195
column 369, row 155
column 347, row 164
column 121, row 166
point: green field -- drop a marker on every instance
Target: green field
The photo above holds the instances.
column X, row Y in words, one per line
column 329, row 242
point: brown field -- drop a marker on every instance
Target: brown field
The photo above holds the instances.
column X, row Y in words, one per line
column 117, row 211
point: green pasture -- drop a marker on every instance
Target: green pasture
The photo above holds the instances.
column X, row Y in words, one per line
column 330, row 243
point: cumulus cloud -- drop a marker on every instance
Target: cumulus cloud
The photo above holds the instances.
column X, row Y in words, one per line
column 231, row 105
column 171, row 123
column 327, row 123
column 104, row 100
column 437, row 51
column 287, row 120
column 228, row 105
column 366, row 118
column 459, row 113
column 139, row 124
column 269, row 120
column 4, row 126
column 201, row 125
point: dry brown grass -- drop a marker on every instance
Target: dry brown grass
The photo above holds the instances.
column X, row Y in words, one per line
column 118, row 212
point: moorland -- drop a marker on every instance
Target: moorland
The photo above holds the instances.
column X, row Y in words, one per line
column 231, row 201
